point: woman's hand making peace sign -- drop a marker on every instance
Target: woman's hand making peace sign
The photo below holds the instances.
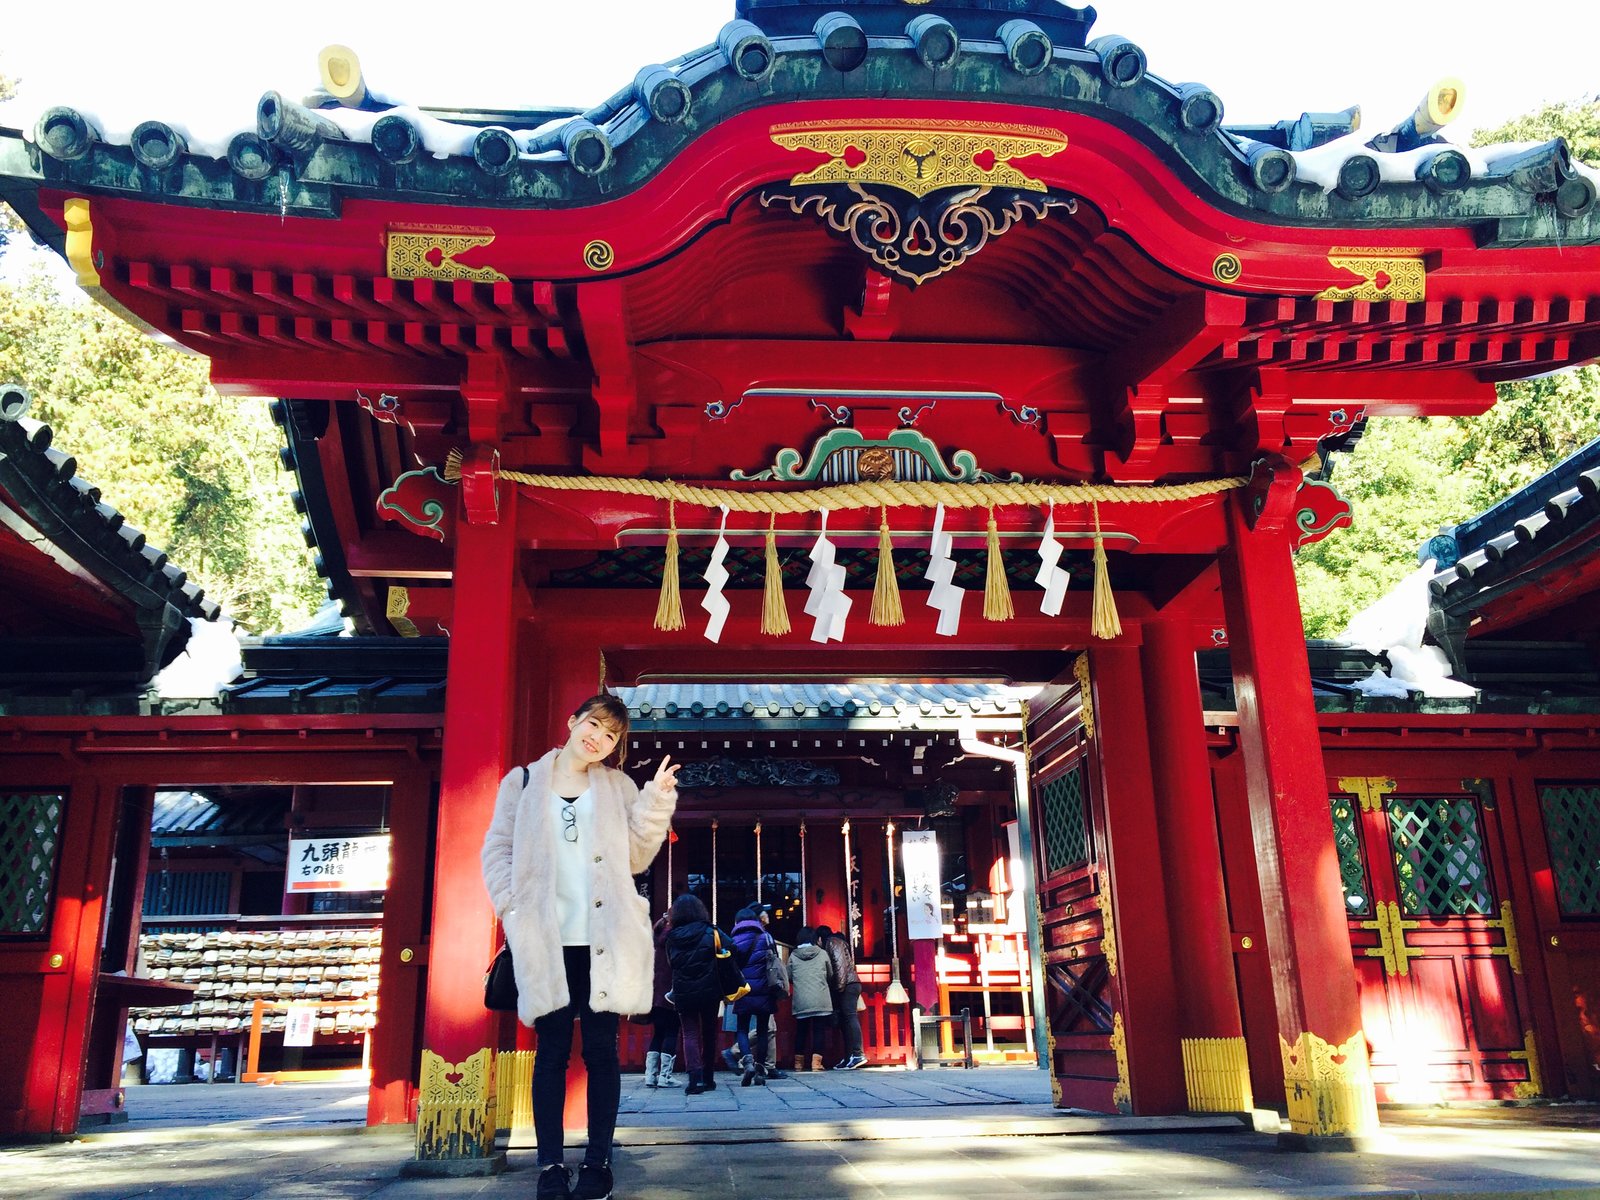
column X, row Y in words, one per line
column 666, row 778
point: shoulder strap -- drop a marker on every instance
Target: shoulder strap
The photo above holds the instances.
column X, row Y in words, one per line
column 524, row 776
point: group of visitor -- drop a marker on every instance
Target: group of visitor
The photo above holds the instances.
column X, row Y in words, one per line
column 568, row 835
column 819, row 979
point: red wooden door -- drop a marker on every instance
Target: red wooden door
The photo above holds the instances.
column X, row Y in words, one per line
column 1429, row 894
column 1080, row 1005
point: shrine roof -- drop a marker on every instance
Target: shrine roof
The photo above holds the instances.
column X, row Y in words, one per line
column 1512, row 678
column 1317, row 169
column 90, row 599
column 864, row 705
column 1528, row 561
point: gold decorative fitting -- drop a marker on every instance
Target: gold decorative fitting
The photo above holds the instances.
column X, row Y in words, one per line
column 396, row 608
column 1226, row 268
column 407, row 954
column 456, row 1115
column 1216, row 1075
column 513, row 1080
column 1108, row 934
column 1122, row 1094
column 1080, row 672
column 1554, row 940
column 1383, row 277
column 1247, row 942
column 80, row 242
column 1508, row 928
column 1391, row 929
column 1533, row 1087
column 1329, row 1087
column 431, row 252
column 55, row 962
column 922, row 157
column 1369, row 790
column 598, row 255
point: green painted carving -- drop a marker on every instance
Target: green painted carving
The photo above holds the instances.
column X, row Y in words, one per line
column 833, row 458
column 418, row 500
column 1322, row 509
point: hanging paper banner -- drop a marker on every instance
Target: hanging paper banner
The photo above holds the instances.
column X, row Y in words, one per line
column 299, row 1025
column 828, row 602
column 716, row 577
column 944, row 596
column 1051, row 577
column 920, row 859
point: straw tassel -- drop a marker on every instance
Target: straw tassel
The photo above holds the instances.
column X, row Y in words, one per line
column 1105, row 622
column 669, row 608
column 996, row 591
column 774, row 612
column 886, row 608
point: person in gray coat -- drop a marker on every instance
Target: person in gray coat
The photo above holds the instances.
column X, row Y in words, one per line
column 811, row 976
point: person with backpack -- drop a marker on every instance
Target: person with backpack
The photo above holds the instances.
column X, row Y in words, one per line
column 754, row 948
column 692, row 943
column 847, row 996
column 811, row 975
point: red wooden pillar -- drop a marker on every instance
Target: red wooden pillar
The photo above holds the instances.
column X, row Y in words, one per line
column 455, row 1114
column 394, row 1048
column 49, row 1012
column 1149, row 1061
column 1325, row 1066
column 1216, row 1073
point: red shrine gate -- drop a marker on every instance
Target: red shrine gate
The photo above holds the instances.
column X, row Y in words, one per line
column 967, row 257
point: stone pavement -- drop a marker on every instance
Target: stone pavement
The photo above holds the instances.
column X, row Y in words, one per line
column 876, row 1133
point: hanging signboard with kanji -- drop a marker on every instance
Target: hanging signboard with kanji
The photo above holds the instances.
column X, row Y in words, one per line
column 920, row 851
column 338, row 864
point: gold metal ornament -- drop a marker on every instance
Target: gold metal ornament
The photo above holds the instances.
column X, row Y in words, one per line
column 1226, row 268
column 430, row 252
column 1122, row 1094
column 1329, row 1087
column 1392, row 276
column 1216, row 1075
column 1533, row 1087
column 920, row 158
column 1369, row 790
column 598, row 255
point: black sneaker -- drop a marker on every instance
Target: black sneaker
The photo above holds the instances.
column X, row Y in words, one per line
column 594, row 1183
column 555, row 1183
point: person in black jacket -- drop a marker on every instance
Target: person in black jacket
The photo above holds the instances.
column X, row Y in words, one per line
column 696, row 992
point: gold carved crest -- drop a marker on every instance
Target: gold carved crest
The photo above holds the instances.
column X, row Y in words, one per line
column 920, row 157
column 430, row 252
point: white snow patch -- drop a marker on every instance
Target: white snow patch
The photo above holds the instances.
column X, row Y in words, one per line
column 1394, row 625
column 208, row 663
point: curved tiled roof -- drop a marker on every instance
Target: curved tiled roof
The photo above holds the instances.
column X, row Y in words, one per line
column 1035, row 53
column 780, row 704
column 67, row 510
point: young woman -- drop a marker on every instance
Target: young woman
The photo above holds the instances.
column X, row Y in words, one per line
column 811, row 974
column 696, row 992
column 569, row 833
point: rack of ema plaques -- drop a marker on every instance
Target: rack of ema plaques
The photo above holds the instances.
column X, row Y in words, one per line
column 947, row 1025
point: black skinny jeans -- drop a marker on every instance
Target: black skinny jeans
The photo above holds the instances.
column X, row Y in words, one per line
column 550, row 1068
column 844, row 1007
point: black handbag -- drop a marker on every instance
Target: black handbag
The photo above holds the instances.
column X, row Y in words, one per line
column 730, row 979
column 500, row 983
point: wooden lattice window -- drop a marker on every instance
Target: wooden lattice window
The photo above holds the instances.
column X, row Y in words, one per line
column 1066, row 821
column 30, row 836
column 1352, row 863
column 1572, row 828
column 1438, row 856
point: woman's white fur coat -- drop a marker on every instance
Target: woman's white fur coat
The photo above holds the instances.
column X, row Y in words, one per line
column 519, row 870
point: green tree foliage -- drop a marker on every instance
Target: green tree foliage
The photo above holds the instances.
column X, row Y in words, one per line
column 196, row 471
column 1407, row 478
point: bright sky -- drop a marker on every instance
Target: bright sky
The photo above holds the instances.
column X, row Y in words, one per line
column 204, row 62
